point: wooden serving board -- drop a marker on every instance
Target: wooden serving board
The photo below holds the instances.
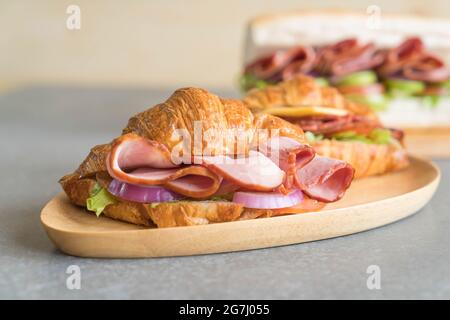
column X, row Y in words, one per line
column 369, row 203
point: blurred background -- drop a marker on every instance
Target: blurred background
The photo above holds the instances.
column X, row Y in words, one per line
column 140, row 43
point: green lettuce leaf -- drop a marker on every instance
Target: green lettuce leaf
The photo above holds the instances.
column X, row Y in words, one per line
column 401, row 87
column 322, row 82
column 248, row 81
column 311, row 137
column 376, row 136
column 361, row 78
column 380, row 136
column 431, row 101
column 99, row 199
column 350, row 136
column 223, row 197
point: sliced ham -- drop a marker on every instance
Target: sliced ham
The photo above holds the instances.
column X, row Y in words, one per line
column 397, row 58
column 226, row 187
column 330, row 124
column 268, row 66
column 301, row 61
column 192, row 181
column 410, row 60
column 325, row 179
column 347, row 56
column 427, row 68
column 196, row 182
column 255, row 172
column 289, row 154
column 133, row 151
column 136, row 160
column 283, row 64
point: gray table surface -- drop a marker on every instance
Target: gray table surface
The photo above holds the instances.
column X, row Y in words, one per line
column 46, row 131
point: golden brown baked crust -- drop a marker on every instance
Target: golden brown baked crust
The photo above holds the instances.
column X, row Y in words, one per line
column 302, row 91
column 367, row 159
column 286, row 129
column 189, row 213
column 180, row 112
column 77, row 188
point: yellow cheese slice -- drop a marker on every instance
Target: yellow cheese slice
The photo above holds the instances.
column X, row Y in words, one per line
column 304, row 111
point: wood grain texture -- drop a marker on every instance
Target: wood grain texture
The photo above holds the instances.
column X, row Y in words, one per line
column 369, row 203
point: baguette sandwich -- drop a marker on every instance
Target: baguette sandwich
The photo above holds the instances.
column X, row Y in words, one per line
column 197, row 159
column 397, row 65
column 334, row 126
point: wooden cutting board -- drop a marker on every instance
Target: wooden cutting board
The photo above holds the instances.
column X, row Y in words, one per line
column 369, row 203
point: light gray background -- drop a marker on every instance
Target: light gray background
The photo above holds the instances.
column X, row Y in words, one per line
column 46, row 132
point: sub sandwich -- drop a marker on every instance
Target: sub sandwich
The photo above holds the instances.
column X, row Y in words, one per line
column 334, row 126
column 398, row 69
column 197, row 159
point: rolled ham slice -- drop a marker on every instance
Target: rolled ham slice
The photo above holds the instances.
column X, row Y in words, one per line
column 347, row 56
column 325, row 179
column 397, row 58
column 268, row 66
column 283, row 64
column 191, row 181
column 255, row 172
column 301, row 61
column 427, row 68
column 289, row 154
column 410, row 60
column 136, row 160
column 226, row 187
column 133, row 151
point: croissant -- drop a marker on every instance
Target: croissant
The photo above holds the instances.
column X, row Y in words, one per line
column 340, row 115
column 367, row 159
column 302, row 91
column 144, row 155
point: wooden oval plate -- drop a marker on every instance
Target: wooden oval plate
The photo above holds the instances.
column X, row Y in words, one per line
column 369, row 203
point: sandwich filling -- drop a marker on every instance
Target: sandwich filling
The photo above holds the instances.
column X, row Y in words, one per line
column 347, row 128
column 363, row 73
column 141, row 170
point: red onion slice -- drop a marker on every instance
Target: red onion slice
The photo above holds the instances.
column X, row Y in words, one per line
column 268, row 200
column 144, row 194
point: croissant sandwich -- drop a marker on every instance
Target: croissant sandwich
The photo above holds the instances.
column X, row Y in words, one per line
column 333, row 125
column 198, row 159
